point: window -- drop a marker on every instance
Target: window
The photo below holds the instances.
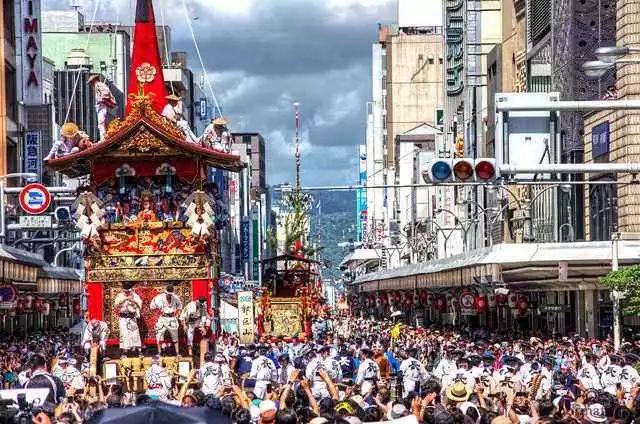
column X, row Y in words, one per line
column 603, row 210
column 11, row 92
column 9, row 22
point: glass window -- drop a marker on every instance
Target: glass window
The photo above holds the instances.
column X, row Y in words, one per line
column 9, row 22
column 603, row 210
column 11, row 92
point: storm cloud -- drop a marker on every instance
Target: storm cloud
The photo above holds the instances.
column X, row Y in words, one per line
column 261, row 55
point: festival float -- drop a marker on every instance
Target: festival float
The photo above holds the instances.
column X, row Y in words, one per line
column 291, row 297
column 146, row 210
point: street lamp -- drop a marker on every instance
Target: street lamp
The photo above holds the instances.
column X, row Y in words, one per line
column 612, row 54
column 596, row 68
column 28, row 176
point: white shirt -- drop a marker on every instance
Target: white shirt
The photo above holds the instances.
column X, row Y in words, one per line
column 166, row 306
column 100, row 332
column 129, row 304
column 368, row 370
column 214, row 375
column 263, row 369
column 194, row 314
column 158, row 381
column 413, row 371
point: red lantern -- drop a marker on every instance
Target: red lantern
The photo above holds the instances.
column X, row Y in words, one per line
column 522, row 304
column 76, row 307
column 480, row 303
column 397, row 297
column 38, row 305
column 20, row 305
column 384, row 299
column 424, row 295
column 408, row 299
column 441, row 303
column 372, row 300
column 501, row 299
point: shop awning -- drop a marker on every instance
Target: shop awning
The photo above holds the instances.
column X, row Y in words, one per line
column 358, row 256
column 54, row 280
column 531, row 264
column 19, row 266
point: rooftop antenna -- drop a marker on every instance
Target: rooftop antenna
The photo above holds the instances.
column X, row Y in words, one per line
column 75, row 6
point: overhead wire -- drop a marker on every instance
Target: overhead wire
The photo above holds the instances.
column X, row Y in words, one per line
column 204, row 70
column 80, row 69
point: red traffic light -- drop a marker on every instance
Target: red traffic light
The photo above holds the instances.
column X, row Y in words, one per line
column 485, row 170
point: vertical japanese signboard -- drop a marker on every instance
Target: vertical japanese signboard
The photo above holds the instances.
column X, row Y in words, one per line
column 454, row 27
column 32, row 160
column 245, row 317
column 361, row 193
column 245, row 238
column 30, row 47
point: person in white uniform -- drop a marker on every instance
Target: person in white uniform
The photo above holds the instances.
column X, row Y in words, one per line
column 173, row 112
column 195, row 315
column 413, row 373
column 128, row 306
column 158, row 380
column 169, row 306
column 104, row 101
column 264, row 371
column 368, row 372
column 95, row 331
column 70, row 376
column 214, row 373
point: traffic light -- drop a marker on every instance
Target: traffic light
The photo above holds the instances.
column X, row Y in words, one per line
column 461, row 170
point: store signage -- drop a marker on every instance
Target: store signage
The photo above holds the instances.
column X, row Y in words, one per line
column 454, row 27
column 202, row 108
column 31, row 43
column 551, row 308
column 245, row 237
column 34, row 198
column 35, row 221
column 467, row 303
column 31, row 155
column 245, row 317
column 600, row 139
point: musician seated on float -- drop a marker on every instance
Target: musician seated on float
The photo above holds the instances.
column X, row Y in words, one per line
column 173, row 112
column 216, row 135
column 71, row 140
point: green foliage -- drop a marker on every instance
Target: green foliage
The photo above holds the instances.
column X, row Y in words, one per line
column 625, row 280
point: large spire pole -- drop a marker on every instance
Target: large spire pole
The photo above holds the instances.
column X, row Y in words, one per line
column 146, row 67
column 296, row 106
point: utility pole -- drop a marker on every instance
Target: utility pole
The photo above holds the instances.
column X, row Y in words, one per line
column 615, row 294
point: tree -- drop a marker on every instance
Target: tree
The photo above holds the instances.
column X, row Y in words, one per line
column 626, row 280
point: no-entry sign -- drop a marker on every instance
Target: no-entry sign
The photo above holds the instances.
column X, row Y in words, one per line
column 35, row 198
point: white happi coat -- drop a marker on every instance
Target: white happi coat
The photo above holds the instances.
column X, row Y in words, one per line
column 70, row 377
column 128, row 325
column 167, row 321
column 318, row 386
column 610, row 378
column 264, row 371
column 589, row 377
column 194, row 316
column 213, row 376
column 368, row 375
column 99, row 332
column 628, row 378
column 158, row 382
column 412, row 372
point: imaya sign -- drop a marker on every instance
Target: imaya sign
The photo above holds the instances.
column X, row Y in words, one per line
column 245, row 317
column 30, row 51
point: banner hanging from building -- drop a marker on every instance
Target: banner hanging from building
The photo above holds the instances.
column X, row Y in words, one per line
column 29, row 53
column 245, row 317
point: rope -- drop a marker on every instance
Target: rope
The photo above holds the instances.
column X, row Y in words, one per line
column 166, row 44
column 86, row 47
column 195, row 43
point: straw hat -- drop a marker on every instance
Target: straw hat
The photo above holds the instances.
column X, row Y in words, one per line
column 172, row 97
column 69, row 130
column 458, row 392
column 93, row 78
column 220, row 120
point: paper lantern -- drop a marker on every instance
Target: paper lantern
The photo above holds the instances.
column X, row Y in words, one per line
column 397, row 298
column 76, row 307
column 47, row 309
column 431, row 299
column 491, row 300
column 63, row 300
column 522, row 304
column 378, row 298
column 480, row 303
column 28, row 304
column 424, row 297
column 384, row 299
column 441, row 303
column 501, row 299
column 512, row 300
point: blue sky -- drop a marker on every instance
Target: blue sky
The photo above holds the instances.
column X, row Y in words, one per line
column 261, row 55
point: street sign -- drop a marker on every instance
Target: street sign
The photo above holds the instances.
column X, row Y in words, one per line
column 35, row 198
column 35, row 221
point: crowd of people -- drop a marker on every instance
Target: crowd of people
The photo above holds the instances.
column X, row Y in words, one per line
column 360, row 371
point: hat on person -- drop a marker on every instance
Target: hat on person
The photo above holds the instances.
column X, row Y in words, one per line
column 220, row 120
column 92, row 78
column 596, row 413
column 172, row 97
column 169, row 288
column 397, row 411
column 69, row 129
column 267, row 405
column 458, row 392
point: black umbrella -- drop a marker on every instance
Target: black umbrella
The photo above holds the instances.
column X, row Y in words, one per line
column 160, row 413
